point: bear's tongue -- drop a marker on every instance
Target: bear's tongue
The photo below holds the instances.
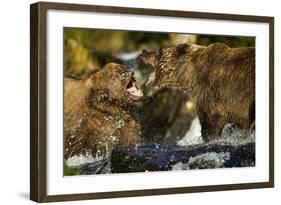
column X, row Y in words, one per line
column 134, row 91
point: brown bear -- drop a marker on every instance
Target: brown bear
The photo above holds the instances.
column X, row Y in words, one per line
column 219, row 79
column 97, row 115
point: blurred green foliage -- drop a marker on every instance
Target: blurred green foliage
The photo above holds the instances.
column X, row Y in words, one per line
column 111, row 40
column 70, row 171
column 231, row 41
column 87, row 50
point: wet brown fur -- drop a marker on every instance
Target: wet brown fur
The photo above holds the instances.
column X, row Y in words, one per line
column 221, row 81
column 97, row 113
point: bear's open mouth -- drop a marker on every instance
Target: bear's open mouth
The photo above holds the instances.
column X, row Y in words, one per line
column 133, row 90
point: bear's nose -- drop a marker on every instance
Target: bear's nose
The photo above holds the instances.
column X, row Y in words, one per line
column 127, row 74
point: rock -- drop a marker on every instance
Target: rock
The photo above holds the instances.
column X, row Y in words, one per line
column 99, row 167
column 173, row 157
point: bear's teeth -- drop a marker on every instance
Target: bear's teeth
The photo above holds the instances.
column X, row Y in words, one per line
column 151, row 79
column 134, row 91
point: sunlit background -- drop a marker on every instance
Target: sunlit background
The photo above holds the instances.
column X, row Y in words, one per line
column 86, row 50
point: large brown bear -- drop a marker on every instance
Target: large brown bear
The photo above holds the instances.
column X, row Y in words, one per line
column 97, row 114
column 219, row 79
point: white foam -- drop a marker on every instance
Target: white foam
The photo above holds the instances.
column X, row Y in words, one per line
column 81, row 159
column 231, row 134
column 193, row 135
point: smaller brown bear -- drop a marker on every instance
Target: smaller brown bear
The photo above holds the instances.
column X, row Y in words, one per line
column 220, row 80
column 97, row 114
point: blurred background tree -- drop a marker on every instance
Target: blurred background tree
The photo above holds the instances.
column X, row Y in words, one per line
column 87, row 50
column 231, row 41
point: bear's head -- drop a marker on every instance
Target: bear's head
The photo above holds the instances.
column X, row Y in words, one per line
column 165, row 63
column 115, row 83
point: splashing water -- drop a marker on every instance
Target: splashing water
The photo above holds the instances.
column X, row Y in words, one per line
column 77, row 160
column 193, row 135
column 231, row 134
column 204, row 161
column 235, row 136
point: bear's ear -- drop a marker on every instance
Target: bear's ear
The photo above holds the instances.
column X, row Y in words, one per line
column 160, row 50
column 89, row 82
column 181, row 49
column 92, row 80
column 195, row 47
column 144, row 51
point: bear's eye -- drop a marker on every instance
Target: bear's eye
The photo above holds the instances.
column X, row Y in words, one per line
column 125, row 74
column 112, row 77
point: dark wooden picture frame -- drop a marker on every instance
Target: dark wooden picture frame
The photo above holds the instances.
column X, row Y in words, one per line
column 38, row 101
